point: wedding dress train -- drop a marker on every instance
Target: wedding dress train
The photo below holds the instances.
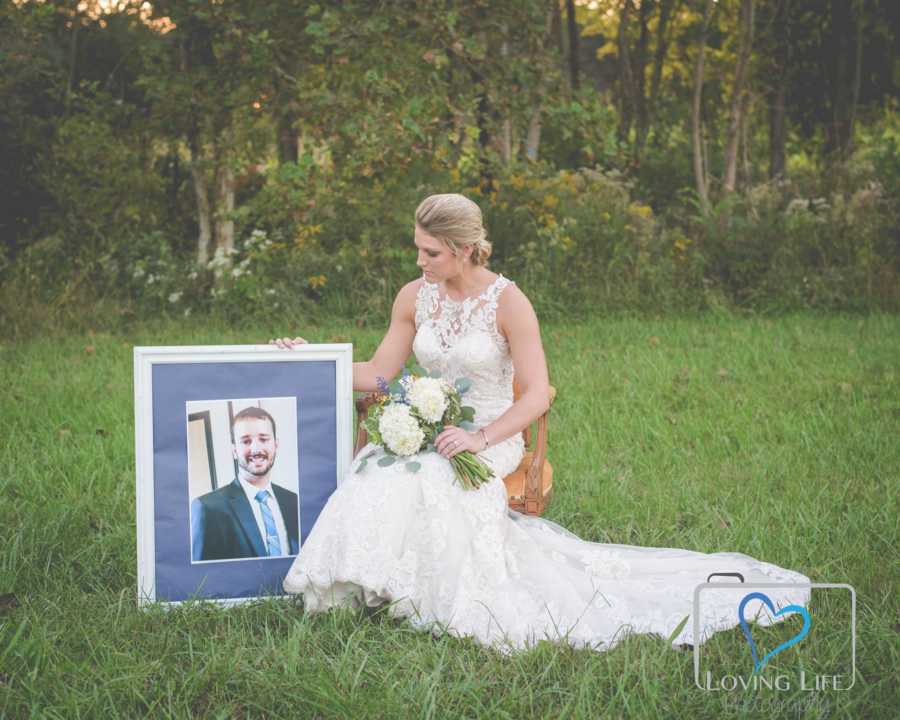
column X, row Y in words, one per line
column 459, row 561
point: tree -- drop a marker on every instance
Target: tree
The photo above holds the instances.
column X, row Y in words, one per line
column 206, row 83
column 739, row 96
column 696, row 110
column 775, row 53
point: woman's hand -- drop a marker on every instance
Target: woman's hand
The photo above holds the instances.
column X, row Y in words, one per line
column 454, row 440
column 287, row 343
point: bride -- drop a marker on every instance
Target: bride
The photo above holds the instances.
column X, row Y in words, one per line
column 460, row 561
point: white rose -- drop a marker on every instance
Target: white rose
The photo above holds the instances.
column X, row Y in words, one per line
column 400, row 431
column 427, row 396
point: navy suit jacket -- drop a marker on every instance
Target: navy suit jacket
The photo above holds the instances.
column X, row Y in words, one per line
column 223, row 526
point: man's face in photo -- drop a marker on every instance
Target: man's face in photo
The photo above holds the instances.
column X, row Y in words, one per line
column 254, row 446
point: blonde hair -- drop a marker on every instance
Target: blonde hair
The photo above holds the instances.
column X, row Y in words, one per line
column 457, row 221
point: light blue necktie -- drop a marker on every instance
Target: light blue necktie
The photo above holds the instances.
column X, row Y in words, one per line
column 271, row 531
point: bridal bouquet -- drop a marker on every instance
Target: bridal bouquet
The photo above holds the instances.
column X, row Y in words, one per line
column 411, row 412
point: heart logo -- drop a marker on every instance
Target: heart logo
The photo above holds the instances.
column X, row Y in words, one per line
column 760, row 664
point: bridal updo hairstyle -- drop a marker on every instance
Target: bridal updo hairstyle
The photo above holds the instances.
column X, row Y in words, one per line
column 457, row 221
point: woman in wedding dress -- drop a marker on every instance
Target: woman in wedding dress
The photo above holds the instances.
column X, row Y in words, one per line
column 460, row 561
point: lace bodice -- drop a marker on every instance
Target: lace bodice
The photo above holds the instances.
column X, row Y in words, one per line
column 461, row 339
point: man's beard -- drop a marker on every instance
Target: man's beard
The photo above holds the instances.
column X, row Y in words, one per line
column 248, row 466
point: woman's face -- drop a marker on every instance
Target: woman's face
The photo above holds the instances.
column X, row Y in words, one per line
column 435, row 258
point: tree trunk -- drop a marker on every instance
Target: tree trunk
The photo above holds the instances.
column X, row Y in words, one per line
column 224, row 208
column 506, row 134
column 662, row 48
column 533, row 140
column 626, row 78
column 533, row 135
column 573, row 44
column 484, row 133
column 696, row 107
column 288, row 145
column 640, row 66
column 204, row 215
column 738, row 96
column 837, row 132
column 778, row 92
column 746, row 168
column 484, row 113
column 73, row 62
column 777, row 131
column 556, row 30
column 857, row 76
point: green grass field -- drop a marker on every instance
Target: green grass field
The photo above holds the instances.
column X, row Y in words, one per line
column 779, row 438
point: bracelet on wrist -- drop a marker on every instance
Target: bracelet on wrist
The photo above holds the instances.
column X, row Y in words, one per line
column 484, row 437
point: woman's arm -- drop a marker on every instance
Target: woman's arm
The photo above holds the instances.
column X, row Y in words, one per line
column 395, row 347
column 517, row 321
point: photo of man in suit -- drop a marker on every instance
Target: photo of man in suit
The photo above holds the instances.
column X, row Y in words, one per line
column 251, row 517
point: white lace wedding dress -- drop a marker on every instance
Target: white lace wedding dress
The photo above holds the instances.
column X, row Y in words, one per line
column 458, row 561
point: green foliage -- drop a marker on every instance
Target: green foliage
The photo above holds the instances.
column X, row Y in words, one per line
column 578, row 240
column 119, row 126
column 582, row 133
column 775, row 248
column 99, row 175
column 664, row 173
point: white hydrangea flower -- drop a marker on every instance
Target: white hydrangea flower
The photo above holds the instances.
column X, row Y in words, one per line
column 399, row 430
column 427, row 396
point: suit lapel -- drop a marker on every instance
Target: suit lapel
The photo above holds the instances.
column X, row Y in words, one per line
column 243, row 513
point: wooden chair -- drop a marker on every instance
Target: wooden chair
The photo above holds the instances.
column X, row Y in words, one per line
column 528, row 487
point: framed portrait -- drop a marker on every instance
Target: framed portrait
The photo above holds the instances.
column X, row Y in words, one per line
column 238, row 449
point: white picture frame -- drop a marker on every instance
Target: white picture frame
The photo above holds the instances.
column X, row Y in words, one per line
column 167, row 380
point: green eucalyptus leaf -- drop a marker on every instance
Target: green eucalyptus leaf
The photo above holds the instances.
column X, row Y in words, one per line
column 435, row 374
column 386, row 461
column 418, row 370
column 362, row 465
column 463, row 385
column 413, row 466
column 395, row 387
column 466, row 425
column 467, row 413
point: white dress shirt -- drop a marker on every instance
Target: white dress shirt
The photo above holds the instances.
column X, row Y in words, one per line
column 272, row 502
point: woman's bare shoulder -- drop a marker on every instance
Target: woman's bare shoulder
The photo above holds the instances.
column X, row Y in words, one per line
column 513, row 307
column 512, row 299
column 405, row 302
